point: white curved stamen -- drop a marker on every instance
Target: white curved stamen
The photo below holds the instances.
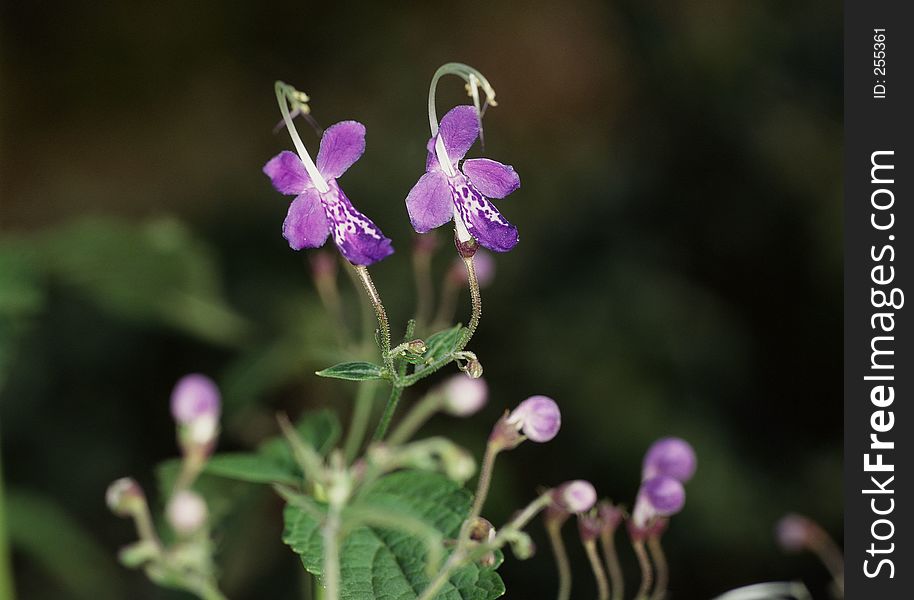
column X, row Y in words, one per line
column 283, row 92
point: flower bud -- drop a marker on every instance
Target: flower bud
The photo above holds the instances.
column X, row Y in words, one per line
column 611, row 516
column 669, row 456
column 576, row 496
column 473, row 368
column 538, row 417
column 464, row 396
column 482, row 530
column 589, row 526
column 125, row 497
column 660, row 496
column 796, row 532
column 522, row 545
column 186, row 512
column 416, row 347
column 195, row 396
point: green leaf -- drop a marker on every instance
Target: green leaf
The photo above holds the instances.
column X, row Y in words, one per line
column 253, row 468
column 386, row 563
column 354, row 371
column 442, row 343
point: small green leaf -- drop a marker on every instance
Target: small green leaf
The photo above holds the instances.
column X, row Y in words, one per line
column 388, row 563
column 442, row 343
column 253, row 468
column 354, row 371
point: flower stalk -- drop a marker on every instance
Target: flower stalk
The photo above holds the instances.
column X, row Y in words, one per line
column 647, row 574
column 661, row 566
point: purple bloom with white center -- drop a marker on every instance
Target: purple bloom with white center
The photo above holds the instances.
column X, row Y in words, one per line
column 538, row 417
column 670, row 456
column 447, row 192
column 660, row 496
column 575, row 496
column 315, row 214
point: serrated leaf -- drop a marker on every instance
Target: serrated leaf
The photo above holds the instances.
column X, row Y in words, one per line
column 442, row 343
column 385, row 563
column 353, row 371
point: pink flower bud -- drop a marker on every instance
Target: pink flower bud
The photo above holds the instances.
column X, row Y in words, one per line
column 186, row 512
column 195, row 396
column 669, row 456
column 576, row 496
column 538, row 417
column 464, row 396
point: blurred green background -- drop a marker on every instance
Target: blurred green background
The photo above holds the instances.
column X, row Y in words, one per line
column 679, row 269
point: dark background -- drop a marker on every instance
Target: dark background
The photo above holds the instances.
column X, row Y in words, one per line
column 679, row 270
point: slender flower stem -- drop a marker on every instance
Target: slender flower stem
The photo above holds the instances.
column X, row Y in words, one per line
column 608, row 543
column 447, row 304
column 482, row 487
column 361, row 415
column 594, row 557
column 647, row 574
column 554, row 529
column 7, row 587
column 661, row 565
column 380, row 313
column 476, row 301
column 416, row 418
column 284, row 94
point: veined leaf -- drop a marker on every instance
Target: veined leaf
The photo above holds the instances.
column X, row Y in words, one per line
column 442, row 343
column 353, row 371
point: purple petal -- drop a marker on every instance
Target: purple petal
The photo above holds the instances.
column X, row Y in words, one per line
column 490, row 177
column 669, row 456
column 341, row 145
column 459, row 129
column 287, row 173
column 429, row 203
column 306, row 225
column 193, row 397
column 360, row 241
column 482, row 219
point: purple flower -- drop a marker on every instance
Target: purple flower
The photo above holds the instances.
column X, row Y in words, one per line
column 660, row 496
column 669, row 456
column 447, row 192
column 314, row 214
column 538, row 417
column 195, row 396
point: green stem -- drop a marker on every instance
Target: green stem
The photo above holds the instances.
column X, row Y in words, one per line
column 7, row 587
column 475, row 300
column 647, row 574
column 416, row 418
column 599, row 574
column 607, row 541
column 361, row 415
column 331, row 538
column 387, row 416
column 383, row 323
column 661, row 566
column 485, row 480
column 554, row 529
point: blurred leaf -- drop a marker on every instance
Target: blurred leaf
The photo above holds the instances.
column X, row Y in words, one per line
column 320, row 429
column 388, row 563
column 41, row 530
column 353, row 371
column 250, row 467
column 442, row 343
column 21, row 297
column 154, row 271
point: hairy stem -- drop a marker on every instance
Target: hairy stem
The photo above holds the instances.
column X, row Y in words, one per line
column 554, row 529
column 485, row 480
column 647, row 574
column 387, row 416
column 475, row 300
column 383, row 323
column 608, row 543
column 594, row 557
column 661, row 566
